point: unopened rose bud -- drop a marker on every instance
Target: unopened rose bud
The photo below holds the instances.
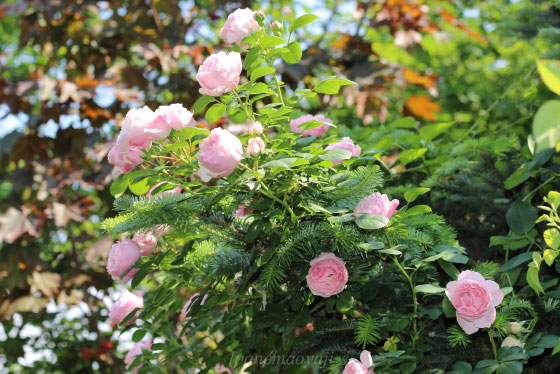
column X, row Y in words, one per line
column 515, row 327
column 259, row 17
column 277, row 27
column 255, row 128
column 512, row 342
column 255, row 146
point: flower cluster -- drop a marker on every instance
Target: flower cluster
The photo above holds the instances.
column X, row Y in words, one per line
column 140, row 128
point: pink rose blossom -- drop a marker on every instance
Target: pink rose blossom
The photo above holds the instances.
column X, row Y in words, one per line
column 175, row 116
column 126, row 303
column 122, row 256
column 219, row 73
column 221, row 369
column 255, row 146
column 146, row 242
column 377, row 203
column 135, row 351
column 133, row 131
column 347, row 144
column 219, row 154
column 187, row 307
column 239, row 25
column 364, row 366
column 474, row 299
column 317, row 131
column 255, row 128
column 125, row 162
column 240, row 212
column 327, row 275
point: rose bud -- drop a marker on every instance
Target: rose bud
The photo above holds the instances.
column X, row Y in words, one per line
column 219, row 154
column 122, row 256
column 239, row 25
column 255, row 128
column 255, row 146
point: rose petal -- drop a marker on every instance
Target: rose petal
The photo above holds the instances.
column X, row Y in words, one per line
column 467, row 326
column 487, row 320
column 495, row 292
column 471, row 275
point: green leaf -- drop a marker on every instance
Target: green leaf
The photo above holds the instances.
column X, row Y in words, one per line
column 413, row 194
column 405, row 123
column 215, row 112
column 344, row 302
column 251, row 57
column 548, row 341
column 260, row 88
column 372, row 221
column 336, row 155
column 546, row 126
column 282, row 163
column 449, row 268
column 429, row 132
column 556, row 349
column 261, row 71
column 429, row 288
column 510, row 367
column 407, row 367
column 140, row 186
column 533, row 279
column 552, row 238
column 119, row 185
column 410, row 155
column 518, row 177
column 302, row 21
column 553, row 198
column 448, row 308
column 331, row 86
column 550, row 74
column 138, row 335
column 270, row 41
column 516, row 261
column 521, row 217
column 418, row 209
column 293, row 56
column 190, row 132
column 201, row 103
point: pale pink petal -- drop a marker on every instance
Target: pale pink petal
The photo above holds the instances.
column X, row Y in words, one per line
column 487, row 320
column 366, row 359
column 450, row 288
column 392, row 207
column 467, row 326
column 495, row 292
column 471, row 275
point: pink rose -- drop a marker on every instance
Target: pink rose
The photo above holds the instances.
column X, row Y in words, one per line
column 327, row 275
column 255, row 146
column 122, row 256
column 125, row 162
column 255, row 128
column 221, row 369
column 317, row 131
column 347, row 144
column 133, row 131
column 219, row 154
column 240, row 212
column 239, row 25
column 135, row 351
column 474, row 299
column 126, row 303
column 219, row 73
column 146, row 243
column 364, row 366
column 377, row 203
column 187, row 307
column 175, row 116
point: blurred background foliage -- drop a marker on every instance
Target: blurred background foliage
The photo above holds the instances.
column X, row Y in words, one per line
column 70, row 69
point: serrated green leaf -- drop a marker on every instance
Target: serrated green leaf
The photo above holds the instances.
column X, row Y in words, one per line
column 372, row 221
column 331, row 86
column 409, row 155
column 294, row 53
column 201, row 103
column 302, row 21
column 413, row 194
column 215, row 112
column 261, row 71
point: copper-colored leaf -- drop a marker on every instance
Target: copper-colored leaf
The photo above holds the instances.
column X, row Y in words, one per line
column 422, row 107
